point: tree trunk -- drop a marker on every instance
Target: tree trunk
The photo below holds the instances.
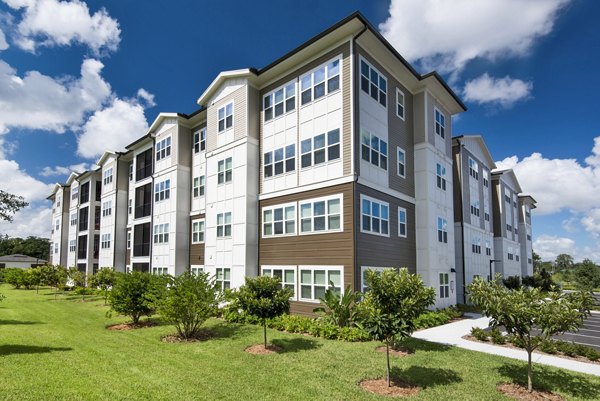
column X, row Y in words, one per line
column 387, row 354
column 529, row 382
column 265, row 331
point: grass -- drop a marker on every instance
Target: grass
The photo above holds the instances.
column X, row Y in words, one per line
column 60, row 350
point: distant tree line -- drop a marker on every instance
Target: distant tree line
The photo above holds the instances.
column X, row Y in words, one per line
column 35, row 247
column 568, row 273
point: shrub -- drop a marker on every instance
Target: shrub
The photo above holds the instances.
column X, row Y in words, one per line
column 189, row 301
column 14, row 276
column 104, row 279
column 497, row 337
column 516, row 341
column 512, row 282
column 337, row 309
column 136, row 294
column 548, row 346
column 479, row 333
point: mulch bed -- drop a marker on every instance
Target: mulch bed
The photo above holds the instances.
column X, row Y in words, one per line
column 519, row 392
column 399, row 388
column 203, row 335
column 130, row 326
column 259, row 349
column 400, row 351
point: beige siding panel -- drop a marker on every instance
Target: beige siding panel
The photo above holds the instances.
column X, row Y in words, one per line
column 239, row 117
column 253, row 112
column 240, row 112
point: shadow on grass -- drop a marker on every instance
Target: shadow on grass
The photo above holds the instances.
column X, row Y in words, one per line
column 426, row 377
column 18, row 322
column 295, row 344
column 544, row 378
column 8, row 349
column 422, row 345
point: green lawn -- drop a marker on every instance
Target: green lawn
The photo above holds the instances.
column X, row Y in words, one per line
column 59, row 349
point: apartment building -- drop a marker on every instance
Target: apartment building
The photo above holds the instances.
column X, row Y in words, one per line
column 526, row 205
column 331, row 161
column 59, row 245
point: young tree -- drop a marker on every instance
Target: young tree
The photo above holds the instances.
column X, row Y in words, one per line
column 189, row 301
column 79, row 279
column 55, row 276
column 263, row 298
column 14, row 276
column 10, row 204
column 530, row 314
column 339, row 309
column 136, row 294
column 104, row 279
column 390, row 307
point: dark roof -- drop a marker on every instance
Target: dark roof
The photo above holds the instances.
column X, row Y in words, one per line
column 140, row 139
column 20, row 258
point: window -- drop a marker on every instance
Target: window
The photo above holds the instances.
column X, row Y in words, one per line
column 57, row 224
column 197, row 231
column 224, row 225
column 200, row 141
column 106, row 208
column 508, row 227
column 84, row 195
column 314, row 281
column 374, row 149
column 161, row 233
column 280, row 101
column 72, row 245
column 105, row 241
column 440, row 124
column 529, row 261
column 510, row 254
column 196, row 270
column 82, row 247
column 287, row 277
column 442, row 230
column 444, row 285
column 279, row 161
column 108, row 176
column 131, row 172
column 486, row 182
column 475, row 208
column 74, row 219
column 375, row 216
column 364, row 270
column 440, row 172
column 373, row 83
column 199, row 186
column 528, row 237
column 507, row 199
column 279, row 220
column 143, row 165
column 143, row 201
column 130, row 206
column 56, row 247
column 320, row 149
column 320, row 82
column 223, row 279
column 517, row 257
column 401, row 163
column 476, row 245
column 473, row 169
column 98, row 191
column 162, row 190
column 83, row 218
column 488, row 248
column 319, row 215
column 225, row 117
column 142, row 236
column 74, row 193
column 163, row 148
column 128, row 239
column 400, row 103
column 402, row 222
column 225, row 170
column 160, row 271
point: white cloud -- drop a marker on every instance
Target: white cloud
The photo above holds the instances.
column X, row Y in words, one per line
column 62, row 23
column 37, row 101
column 16, row 181
column 591, row 222
column 112, row 128
column 65, row 170
column 446, row 35
column 3, row 42
column 502, row 91
column 147, row 97
column 35, row 219
column 549, row 246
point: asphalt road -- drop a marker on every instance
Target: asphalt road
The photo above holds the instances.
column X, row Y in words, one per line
column 588, row 334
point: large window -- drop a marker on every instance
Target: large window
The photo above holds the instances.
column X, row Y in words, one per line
column 72, row 245
column 161, row 233
column 224, row 225
column 200, row 141
column 197, row 231
column 320, row 82
column 199, row 186
column 225, row 117
column 163, row 148
column 223, row 279
column 143, row 165
column 400, row 103
column 286, row 275
column 442, row 230
column 475, row 208
column 279, row 161
column 105, row 241
column 444, row 285
column 314, row 281
column 225, row 170
column 401, row 163
column 476, row 245
column 279, row 220
column 74, row 193
column 374, row 150
column 473, row 169
column 440, row 172
column 83, row 218
column 320, row 149
column 402, row 228
column 107, row 176
column 373, row 83
column 106, row 208
column 82, row 247
column 440, row 124
column 84, row 194
column 74, row 219
column 141, row 239
column 280, row 101
column 162, row 190
column 319, row 215
column 375, row 217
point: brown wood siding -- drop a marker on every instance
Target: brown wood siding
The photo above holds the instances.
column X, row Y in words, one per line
column 317, row 249
column 380, row 251
column 196, row 250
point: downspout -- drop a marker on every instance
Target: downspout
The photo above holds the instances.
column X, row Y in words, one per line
column 462, row 220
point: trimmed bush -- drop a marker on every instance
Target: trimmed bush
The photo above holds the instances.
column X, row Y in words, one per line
column 136, row 294
column 497, row 337
column 479, row 333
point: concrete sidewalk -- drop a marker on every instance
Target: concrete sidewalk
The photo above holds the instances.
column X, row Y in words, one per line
column 451, row 334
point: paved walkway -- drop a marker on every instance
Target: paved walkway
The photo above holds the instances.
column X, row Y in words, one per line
column 451, row 334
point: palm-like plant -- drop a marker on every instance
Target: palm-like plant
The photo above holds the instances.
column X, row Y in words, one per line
column 338, row 309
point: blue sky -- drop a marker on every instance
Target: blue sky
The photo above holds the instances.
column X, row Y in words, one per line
column 77, row 77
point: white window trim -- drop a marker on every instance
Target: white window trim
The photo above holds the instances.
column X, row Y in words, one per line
column 204, row 232
column 284, row 161
column 161, row 230
column 312, row 201
column 272, row 208
column 387, row 88
column 224, row 225
column 107, row 176
column 199, row 133
column 157, row 150
column 313, row 268
column 437, row 229
column 401, row 209
column 271, row 94
column 222, row 286
column 201, row 185
column 435, row 109
column 370, row 161
column 445, row 285
column 363, row 269
column 325, row 148
column 312, row 85
column 165, row 191
column 398, row 151
column 224, row 107
column 398, row 94
column 293, row 268
column 380, row 202
column 225, row 169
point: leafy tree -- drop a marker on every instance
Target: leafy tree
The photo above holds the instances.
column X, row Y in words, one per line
column 587, row 275
column 564, row 262
column 136, row 294
column 339, row 310
column 390, row 307
column 79, row 280
column 104, row 279
column 540, row 279
column 10, row 204
column 189, row 301
column 14, row 276
column 55, row 276
column 528, row 314
column 263, row 298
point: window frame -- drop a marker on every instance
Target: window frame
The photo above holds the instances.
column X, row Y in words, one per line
column 162, row 190
column 372, row 70
column 327, row 215
column 222, row 174
column 107, row 176
column 163, row 148
column 284, row 283
column 363, row 133
column 401, row 223
column 327, row 79
column 199, row 144
column 227, row 119
column 199, row 186
column 107, row 208
column 381, row 204
column 440, row 173
column 224, row 225
column 442, row 230
column 473, row 169
column 160, row 234
column 201, row 232
column 399, row 151
column 72, row 246
column 286, row 101
column 399, row 104
column 439, row 126
column 221, row 282
column 326, row 148
column 286, row 161
column 105, row 241
column 284, row 220
column 444, row 285
column 313, row 285
column 364, row 269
